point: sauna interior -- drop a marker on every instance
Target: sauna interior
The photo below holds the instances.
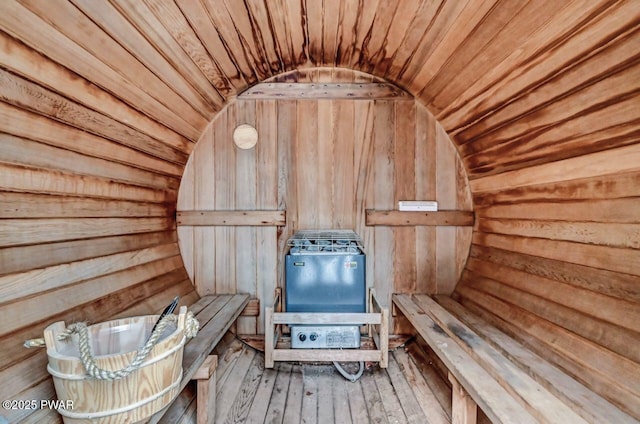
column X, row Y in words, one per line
column 121, row 187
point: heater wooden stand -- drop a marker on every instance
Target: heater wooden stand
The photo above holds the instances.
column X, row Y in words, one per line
column 377, row 320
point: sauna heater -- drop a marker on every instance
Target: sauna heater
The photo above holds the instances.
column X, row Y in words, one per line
column 325, row 272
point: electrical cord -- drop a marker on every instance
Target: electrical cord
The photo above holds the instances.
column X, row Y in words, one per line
column 351, row 377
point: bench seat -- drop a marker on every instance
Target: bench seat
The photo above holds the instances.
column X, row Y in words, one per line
column 216, row 315
column 506, row 380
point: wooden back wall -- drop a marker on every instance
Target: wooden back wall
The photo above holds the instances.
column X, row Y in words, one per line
column 325, row 162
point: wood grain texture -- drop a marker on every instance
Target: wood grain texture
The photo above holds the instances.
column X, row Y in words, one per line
column 326, row 161
column 105, row 101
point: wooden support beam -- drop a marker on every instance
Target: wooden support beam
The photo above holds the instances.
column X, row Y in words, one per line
column 362, row 91
column 206, row 391
column 231, row 218
column 402, row 218
column 463, row 409
column 252, row 309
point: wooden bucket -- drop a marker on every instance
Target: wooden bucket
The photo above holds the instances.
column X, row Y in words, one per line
column 115, row 343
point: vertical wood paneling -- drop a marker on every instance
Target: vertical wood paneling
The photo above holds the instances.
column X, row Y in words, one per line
column 405, row 258
column 267, row 199
column 246, row 198
column 383, row 174
column 325, row 162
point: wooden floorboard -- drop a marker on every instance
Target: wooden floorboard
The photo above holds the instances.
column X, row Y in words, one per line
column 317, row 393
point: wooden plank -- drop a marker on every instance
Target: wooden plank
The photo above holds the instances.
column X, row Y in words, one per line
column 246, row 199
column 432, row 410
column 231, row 41
column 463, row 409
column 15, row 286
column 620, row 312
column 585, row 402
column 373, row 400
column 418, row 27
column 25, row 258
column 405, row 269
column 357, row 404
column 539, row 402
column 247, row 30
column 28, row 95
column 612, row 378
column 119, row 28
column 19, row 58
column 306, row 147
column 488, row 394
column 340, row 394
column 383, row 198
column 246, row 397
column 293, row 406
column 267, row 253
column 543, row 57
column 409, row 218
column 426, row 179
column 29, row 125
column 231, row 218
column 402, row 389
column 323, row 375
column 343, row 164
column 209, row 336
column 14, row 232
column 185, row 21
column 21, row 178
column 275, row 412
column 623, row 235
column 204, row 246
column 454, row 25
column 603, row 257
column 326, row 355
column 37, row 308
column 613, row 284
column 260, row 402
column 626, row 159
column 325, row 165
column 433, row 371
column 233, row 385
column 21, row 151
column 606, row 210
column 224, row 157
column 44, row 37
column 324, row 90
column 309, row 410
column 149, row 26
column 35, row 205
column 611, row 336
column 124, row 302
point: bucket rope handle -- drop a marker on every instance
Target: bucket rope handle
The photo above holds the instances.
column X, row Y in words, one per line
column 88, row 360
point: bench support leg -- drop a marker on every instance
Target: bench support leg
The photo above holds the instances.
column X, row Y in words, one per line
column 206, row 392
column 464, row 410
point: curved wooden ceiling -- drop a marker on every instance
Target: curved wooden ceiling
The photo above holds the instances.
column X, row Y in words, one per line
column 155, row 72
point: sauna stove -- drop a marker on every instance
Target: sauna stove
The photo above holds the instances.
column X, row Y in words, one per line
column 325, row 272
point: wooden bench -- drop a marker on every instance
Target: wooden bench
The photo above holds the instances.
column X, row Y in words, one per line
column 489, row 369
column 216, row 315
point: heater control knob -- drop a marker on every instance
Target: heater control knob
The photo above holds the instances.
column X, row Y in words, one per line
column 313, row 337
column 302, row 337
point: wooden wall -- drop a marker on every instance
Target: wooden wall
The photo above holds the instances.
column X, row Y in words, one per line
column 88, row 186
column 325, row 162
column 550, row 140
column 102, row 102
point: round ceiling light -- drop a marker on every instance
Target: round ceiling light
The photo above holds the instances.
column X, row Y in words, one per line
column 245, row 136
